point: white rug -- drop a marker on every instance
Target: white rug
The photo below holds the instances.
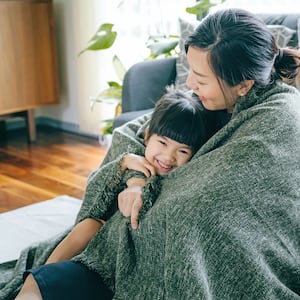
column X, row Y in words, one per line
column 23, row 226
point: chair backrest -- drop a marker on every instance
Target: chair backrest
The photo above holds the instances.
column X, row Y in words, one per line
column 145, row 83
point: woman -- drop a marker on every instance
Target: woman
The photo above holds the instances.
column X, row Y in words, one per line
column 226, row 225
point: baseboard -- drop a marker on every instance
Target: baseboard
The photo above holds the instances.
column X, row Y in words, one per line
column 19, row 123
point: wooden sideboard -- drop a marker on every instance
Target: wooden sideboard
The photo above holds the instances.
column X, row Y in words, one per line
column 29, row 71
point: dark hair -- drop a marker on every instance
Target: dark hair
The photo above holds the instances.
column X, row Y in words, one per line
column 241, row 47
column 182, row 118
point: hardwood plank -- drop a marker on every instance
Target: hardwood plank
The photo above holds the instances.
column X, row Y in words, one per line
column 10, row 189
column 57, row 163
column 34, row 178
column 57, row 158
column 63, row 160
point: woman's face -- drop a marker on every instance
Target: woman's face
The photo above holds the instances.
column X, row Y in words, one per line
column 204, row 82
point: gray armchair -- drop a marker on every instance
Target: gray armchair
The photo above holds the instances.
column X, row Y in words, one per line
column 143, row 85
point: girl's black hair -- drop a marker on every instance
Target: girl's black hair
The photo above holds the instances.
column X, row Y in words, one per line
column 182, row 118
column 241, row 47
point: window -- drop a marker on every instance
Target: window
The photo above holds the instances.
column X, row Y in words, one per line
column 266, row 6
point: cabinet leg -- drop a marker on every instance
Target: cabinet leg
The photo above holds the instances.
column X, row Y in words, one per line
column 2, row 130
column 31, row 128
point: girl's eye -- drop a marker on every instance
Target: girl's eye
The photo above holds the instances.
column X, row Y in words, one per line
column 185, row 152
column 162, row 142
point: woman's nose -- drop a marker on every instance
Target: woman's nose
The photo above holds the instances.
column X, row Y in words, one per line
column 190, row 82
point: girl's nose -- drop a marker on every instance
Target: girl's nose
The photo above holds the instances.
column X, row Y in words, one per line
column 170, row 157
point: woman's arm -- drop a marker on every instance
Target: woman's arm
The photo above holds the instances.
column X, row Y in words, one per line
column 76, row 240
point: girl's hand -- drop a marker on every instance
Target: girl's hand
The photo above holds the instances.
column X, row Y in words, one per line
column 138, row 163
column 130, row 203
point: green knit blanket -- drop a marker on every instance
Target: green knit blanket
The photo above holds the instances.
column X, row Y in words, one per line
column 224, row 226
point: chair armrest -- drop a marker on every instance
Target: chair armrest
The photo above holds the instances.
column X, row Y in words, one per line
column 129, row 116
column 145, row 83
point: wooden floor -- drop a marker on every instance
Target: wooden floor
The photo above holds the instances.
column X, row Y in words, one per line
column 57, row 164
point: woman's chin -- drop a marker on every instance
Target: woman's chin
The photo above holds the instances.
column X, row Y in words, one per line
column 207, row 106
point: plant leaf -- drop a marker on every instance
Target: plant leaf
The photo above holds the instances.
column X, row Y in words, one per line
column 201, row 8
column 102, row 39
column 114, row 92
column 162, row 46
column 107, row 126
column 119, row 68
column 114, row 84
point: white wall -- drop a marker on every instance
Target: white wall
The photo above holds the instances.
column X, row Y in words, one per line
column 80, row 76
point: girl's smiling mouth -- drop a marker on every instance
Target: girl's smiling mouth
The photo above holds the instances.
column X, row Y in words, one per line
column 164, row 167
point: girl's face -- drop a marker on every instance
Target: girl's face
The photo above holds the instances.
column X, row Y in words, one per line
column 204, row 82
column 166, row 154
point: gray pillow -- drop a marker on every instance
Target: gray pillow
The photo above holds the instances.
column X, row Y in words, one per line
column 282, row 34
column 182, row 67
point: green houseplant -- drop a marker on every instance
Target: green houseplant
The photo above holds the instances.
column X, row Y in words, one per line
column 103, row 39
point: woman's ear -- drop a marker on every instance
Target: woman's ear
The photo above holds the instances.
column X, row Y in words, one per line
column 146, row 136
column 244, row 87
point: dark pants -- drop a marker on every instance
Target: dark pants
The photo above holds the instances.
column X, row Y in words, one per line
column 69, row 280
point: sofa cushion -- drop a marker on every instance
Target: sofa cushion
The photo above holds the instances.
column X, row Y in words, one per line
column 182, row 67
column 288, row 20
column 298, row 31
column 282, row 34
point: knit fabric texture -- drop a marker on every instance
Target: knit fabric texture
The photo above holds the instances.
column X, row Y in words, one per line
column 224, row 226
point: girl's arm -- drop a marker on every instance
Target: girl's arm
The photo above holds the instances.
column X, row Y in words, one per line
column 130, row 200
column 138, row 163
column 76, row 240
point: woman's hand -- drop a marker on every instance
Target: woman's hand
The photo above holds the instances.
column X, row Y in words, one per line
column 138, row 163
column 130, row 202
